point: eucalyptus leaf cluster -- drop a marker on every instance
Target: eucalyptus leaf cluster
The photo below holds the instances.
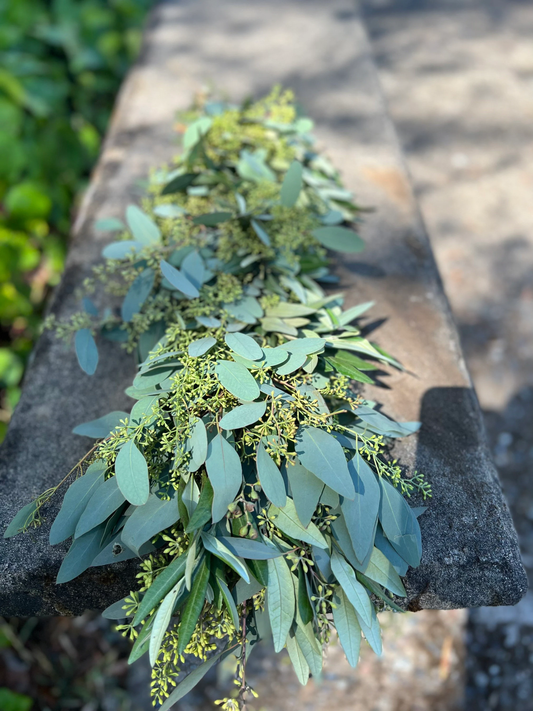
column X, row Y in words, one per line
column 251, row 477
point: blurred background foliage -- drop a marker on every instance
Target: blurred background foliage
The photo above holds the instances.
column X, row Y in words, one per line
column 61, row 64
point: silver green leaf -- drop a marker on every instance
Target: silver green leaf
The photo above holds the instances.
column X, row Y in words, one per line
column 142, row 227
column 270, row 477
column 137, row 294
column 281, row 601
column 237, row 380
column 243, row 416
column 224, row 470
column 201, row 346
column 355, row 592
column 75, row 501
column 244, row 345
column 322, row 454
column 347, row 626
column 104, row 501
column 286, row 519
column 132, row 474
column 81, row 554
column 218, row 549
column 292, row 185
column 306, row 489
column 86, row 350
column 102, row 426
column 147, row 520
column 178, row 280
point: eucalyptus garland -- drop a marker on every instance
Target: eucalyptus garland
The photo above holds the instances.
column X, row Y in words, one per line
column 251, row 478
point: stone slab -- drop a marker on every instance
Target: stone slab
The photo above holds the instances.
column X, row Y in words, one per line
column 242, row 47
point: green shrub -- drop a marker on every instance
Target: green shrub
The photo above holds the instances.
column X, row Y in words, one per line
column 61, row 64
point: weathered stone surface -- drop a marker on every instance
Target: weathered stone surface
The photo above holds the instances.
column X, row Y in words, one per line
column 320, row 49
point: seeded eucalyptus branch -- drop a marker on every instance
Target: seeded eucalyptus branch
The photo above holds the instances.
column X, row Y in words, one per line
column 250, row 477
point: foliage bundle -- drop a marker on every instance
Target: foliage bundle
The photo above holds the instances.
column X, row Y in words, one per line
column 251, row 477
column 61, row 64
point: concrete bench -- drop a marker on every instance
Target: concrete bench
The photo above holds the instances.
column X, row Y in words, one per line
column 471, row 555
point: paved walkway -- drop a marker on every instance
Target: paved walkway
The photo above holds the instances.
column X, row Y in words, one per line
column 458, row 77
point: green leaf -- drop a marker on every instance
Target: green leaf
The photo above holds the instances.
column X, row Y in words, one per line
column 191, row 680
column 120, row 250
column 193, row 267
column 372, row 632
column 109, row 224
column 311, row 649
column 306, row 490
column 292, row 185
column 162, row 620
column 169, row 210
column 339, row 239
column 270, row 477
column 237, row 380
column 224, row 470
column 86, row 350
column 244, row 345
column 142, row 227
column 104, row 501
column 361, row 513
column 142, row 411
column 75, row 501
column 275, row 356
column 196, row 130
column 202, row 513
column 252, row 166
column 286, row 519
column 230, row 602
column 355, row 592
column 197, row 444
column 348, row 369
column 303, row 605
column 399, row 523
column 295, row 362
column 162, row 584
column 281, row 601
column 137, row 294
column 179, row 184
column 261, row 233
column 243, row 416
column 141, row 644
column 193, row 608
column 347, row 627
column 249, row 549
column 245, row 591
column 381, row 571
column 351, row 314
column 132, row 474
column 116, row 611
column 218, row 549
column 319, row 452
column 81, row 554
column 21, row 519
column 148, row 520
column 381, row 542
column 178, row 280
column 102, row 426
column 298, row 659
column 212, row 219
column 201, row 346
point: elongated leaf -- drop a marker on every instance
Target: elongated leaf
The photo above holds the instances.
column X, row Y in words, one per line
column 361, row 513
column 191, row 680
column 355, row 592
column 347, row 626
column 230, row 602
column 218, row 549
column 20, row 520
column 381, row 571
column 179, row 184
column 193, row 608
column 237, row 380
column 372, row 632
column 244, row 346
column 143, row 524
column 142, row 411
column 249, row 549
column 245, row 591
column 306, row 490
column 298, row 660
column 348, row 369
column 197, row 445
column 116, row 551
column 243, row 416
column 246, row 309
column 132, row 474
column 304, row 611
column 281, row 601
column 102, row 426
column 270, row 477
column 142, row 227
column 351, row 314
column 178, row 280
column 292, row 185
column 202, row 513
column 212, row 218
column 339, row 239
column 104, row 501
column 286, row 519
column 399, row 524
column 163, row 583
column 162, row 620
column 75, row 501
column 224, row 470
column 196, row 130
column 261, row 233
column 80, row 555
column 382, row 543
column 193, row 267
column 201, row 346
column 116, row 611
column 295, row 362
column 141, row 644
column 340, row 530
column 109, row 224
column 120, row 250
column 169, row 210
column 86, row 350
column 321, row 453
column 310, row 647
column 137, row 294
